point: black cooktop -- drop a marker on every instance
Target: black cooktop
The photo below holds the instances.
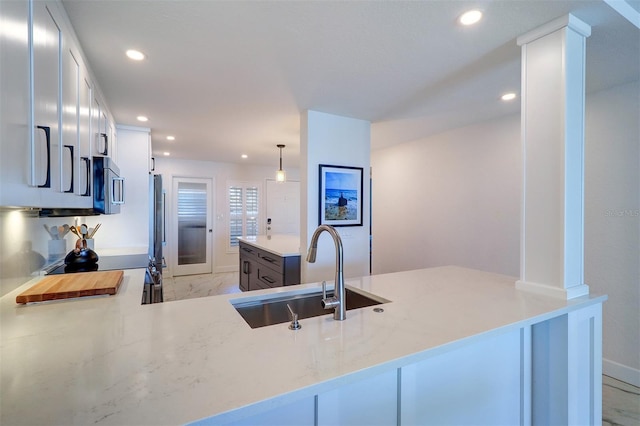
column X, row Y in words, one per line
column 105, row 263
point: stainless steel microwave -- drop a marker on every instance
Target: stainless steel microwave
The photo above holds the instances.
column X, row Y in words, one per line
column 108, row 186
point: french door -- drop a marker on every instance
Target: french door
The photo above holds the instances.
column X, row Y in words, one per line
column 192, row 226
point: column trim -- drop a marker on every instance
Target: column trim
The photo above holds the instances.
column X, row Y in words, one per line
column 569, row 21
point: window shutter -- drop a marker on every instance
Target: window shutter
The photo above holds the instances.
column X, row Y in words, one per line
column 235, row 215
column 251, row 205
column 244, row 211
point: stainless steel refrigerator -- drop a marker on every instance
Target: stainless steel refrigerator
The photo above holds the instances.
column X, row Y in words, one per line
column 157, row 239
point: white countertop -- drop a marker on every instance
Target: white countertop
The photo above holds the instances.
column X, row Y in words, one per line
column 109, row 360
column 281, row 244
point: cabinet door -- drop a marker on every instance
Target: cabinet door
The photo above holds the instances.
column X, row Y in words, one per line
column 112, row 137
column 245, row 270
column 371, row 401
column 298, row 413
column 484, row 377
column 75, row 121
column 100, row 138
column 84, row 139
column 46, row 86
column 16, row 180
column 105, row 143
column 70, row 115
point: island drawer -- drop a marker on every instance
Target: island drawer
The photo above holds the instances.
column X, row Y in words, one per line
column 268, row 278
column 248, row 251
column 271, row 260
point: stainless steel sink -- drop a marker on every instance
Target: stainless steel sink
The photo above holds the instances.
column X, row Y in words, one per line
column 273, row 310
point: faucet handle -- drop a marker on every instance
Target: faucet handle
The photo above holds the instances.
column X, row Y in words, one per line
column 329, row 302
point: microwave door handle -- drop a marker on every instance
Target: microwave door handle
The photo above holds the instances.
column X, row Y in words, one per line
column 121, row 192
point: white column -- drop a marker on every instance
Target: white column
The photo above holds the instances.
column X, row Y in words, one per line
column 337, row 141
column 553, row 99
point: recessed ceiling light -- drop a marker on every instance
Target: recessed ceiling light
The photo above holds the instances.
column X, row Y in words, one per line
column 136, row 55
column 171, row 138
column 244, row 156
column 508, row 96
column 470, row 17
column 142, row 118
column 166, row 154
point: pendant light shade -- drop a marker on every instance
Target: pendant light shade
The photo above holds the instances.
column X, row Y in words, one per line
column 281, row 175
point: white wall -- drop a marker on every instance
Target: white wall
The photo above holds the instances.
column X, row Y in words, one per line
column 130, row 228
column 612, row 222
column 338, row 141
column 449, row 199
column 224, row 260
column 455, row 199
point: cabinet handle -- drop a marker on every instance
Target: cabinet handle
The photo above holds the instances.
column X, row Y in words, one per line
column 247, row 250
column 269, row 280
column 268, row 259
column 153, row 164
column 47, row 133
column 245, row 267
column 70, row 148
column 87, row 162
column 120, row 182
column 106, row 144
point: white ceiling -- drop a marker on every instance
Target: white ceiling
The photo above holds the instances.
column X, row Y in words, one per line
column 232, row 77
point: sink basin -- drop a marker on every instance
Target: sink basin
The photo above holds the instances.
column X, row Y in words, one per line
column 273, row 310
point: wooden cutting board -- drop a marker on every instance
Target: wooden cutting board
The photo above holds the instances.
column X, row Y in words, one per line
column 67, row 286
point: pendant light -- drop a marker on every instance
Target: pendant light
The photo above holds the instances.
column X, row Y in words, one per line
column 281, row 175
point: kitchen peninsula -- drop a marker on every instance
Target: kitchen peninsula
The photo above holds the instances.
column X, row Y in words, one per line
column 454, row 346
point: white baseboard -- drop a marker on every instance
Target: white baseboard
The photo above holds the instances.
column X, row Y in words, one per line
column 621, row 372
column 227, row 268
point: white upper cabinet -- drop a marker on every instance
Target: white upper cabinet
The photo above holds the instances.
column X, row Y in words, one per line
column 47, row 155
column 70, row 118
column 84, row 136
column 15, row 143
column 76, row 124
column 53, row 120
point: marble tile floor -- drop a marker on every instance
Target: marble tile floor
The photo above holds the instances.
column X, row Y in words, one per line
column 620, row 401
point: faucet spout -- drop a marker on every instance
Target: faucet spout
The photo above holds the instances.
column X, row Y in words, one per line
column 338, row 301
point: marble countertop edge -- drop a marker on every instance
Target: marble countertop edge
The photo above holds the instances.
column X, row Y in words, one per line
column 282, row 245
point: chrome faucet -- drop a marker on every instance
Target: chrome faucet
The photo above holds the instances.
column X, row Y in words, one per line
column 338, row 300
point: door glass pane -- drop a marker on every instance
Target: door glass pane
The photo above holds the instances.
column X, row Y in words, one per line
column 192, row 223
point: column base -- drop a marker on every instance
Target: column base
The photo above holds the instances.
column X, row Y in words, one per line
column 548, row 290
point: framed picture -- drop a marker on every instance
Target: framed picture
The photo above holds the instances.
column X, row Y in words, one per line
column 340, row 196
